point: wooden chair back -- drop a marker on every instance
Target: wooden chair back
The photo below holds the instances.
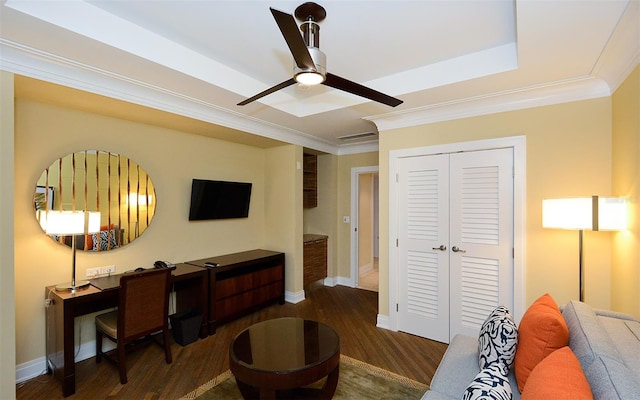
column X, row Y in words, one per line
column 143, row 303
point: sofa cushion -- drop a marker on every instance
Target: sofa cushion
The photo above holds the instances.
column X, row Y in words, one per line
column 490, row 383
column 589, row 339
column 498, row 339
column 625, row 335
column 458, row 366
column 610, row 380
column 542, row 330
column 558, row 376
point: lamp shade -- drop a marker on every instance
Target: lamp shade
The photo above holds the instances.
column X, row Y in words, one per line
column 585, row 213
column 612, row 214
column 70, row 222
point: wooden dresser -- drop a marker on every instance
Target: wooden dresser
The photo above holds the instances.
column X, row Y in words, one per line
column 243, row 283
column 315, row 258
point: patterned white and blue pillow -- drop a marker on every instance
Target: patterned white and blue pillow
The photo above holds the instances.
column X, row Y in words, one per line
column 491, row 383
column 105, row 240
column 498, row 339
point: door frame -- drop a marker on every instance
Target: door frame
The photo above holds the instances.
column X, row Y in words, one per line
column 355, row 190
column 518, row 144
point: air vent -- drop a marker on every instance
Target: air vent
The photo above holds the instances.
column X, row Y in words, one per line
column 357, row 136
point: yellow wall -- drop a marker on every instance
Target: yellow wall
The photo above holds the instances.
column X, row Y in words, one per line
column 625, row 295
column 283, row 200
column 568, row 154
column 45, row 132
column 7, row 289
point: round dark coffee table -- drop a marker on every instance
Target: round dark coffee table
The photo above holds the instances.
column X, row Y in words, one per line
column 278, row 357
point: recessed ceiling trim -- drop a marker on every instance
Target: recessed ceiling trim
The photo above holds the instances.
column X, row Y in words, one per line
column 486, row 62
column 559, row 92
column 117, row 32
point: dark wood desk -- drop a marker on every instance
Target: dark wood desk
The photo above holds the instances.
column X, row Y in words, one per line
column 243, row 283
column 189, row 284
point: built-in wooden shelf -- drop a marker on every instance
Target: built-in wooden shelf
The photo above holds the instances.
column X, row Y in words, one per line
column 310, row 180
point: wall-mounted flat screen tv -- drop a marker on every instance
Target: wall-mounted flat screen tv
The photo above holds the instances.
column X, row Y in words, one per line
column 219, row 200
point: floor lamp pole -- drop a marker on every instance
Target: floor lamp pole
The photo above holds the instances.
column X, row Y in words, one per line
column 580, row 234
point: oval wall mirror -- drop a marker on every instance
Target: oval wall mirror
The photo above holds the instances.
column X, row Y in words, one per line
column 91, row 180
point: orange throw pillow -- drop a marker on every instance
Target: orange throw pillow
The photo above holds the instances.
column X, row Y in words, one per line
column 559, row 376
column 542, row 331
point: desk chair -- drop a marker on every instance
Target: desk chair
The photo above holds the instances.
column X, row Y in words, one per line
column 142, row 310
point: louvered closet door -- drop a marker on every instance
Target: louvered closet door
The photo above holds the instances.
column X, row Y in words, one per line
column 423, row 201
column 482, row 230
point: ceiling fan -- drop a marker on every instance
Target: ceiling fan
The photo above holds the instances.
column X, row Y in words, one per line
column 310, row 62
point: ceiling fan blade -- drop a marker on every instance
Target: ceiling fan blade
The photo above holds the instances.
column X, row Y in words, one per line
column 277, row 87
column 292, row 36
column 337, row 82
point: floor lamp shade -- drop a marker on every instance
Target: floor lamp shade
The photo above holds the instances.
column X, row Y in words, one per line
column 585, row 213
column 70, row 223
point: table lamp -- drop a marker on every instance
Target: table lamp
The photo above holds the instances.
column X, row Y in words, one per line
column 585, row 213
column 71, row 223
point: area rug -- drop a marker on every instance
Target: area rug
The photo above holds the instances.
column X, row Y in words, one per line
column 358, row 380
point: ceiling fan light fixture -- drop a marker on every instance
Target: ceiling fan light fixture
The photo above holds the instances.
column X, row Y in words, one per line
column 309, row 78
column 309, row 63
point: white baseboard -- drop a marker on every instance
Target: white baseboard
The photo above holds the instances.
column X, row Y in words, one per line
column 344, row 281
column 330, row 281
column 383, row 322
column 34, row 368
column 31, row 369
column 295, row 298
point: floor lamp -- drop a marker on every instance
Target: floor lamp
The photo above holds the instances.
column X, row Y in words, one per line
column 71, row 223
column 584, row 213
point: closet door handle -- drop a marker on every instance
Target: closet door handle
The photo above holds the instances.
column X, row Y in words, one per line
column 441, row 248
column 456, row 249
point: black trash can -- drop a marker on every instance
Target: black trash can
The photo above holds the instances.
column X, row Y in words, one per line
column 185, row 326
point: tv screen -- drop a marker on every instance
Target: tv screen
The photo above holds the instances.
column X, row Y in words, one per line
column 219, row 199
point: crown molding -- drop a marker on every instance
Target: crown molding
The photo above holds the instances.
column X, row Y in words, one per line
column 536, row 96
column 24, row 60
column 621, row 55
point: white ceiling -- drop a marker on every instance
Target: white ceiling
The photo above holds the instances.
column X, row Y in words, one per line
column 444, row 59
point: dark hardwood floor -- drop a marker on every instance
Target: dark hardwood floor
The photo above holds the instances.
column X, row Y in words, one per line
column 351, row 312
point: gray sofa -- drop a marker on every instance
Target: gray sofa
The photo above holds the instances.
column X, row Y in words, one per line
column 606, row 343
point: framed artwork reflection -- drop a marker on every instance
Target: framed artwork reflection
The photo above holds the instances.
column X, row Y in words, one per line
column 43, row 198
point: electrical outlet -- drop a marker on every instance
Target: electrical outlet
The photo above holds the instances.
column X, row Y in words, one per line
column 93, row 272
column 107, row 270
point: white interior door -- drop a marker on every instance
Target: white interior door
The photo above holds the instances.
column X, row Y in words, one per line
column 423, row 301
column 482, row 231
column 455, row 241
